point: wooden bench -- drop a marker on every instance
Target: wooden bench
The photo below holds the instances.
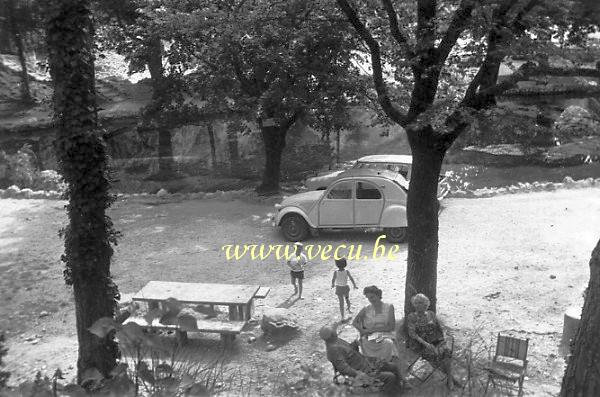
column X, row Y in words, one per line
column 227, row 329
column 262, row 293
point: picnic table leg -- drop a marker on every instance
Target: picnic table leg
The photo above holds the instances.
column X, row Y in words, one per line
column 241, row 312
column 249, row 310
column 234, row 312
column 227, row 339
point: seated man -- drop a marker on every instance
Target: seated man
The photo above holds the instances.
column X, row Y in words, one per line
column 347, row 361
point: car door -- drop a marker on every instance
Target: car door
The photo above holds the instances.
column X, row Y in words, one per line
column 368, row 203
column 337, row 205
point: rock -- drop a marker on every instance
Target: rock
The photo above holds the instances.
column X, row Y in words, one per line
column 12, row 191
column 54, row 194
column 38, row 194
column 270, row 347
column 587, row 182
column 552, row 276
column 548, row 186
column 26, row 193
column 162, row 193
column 44, row 313
column 251, row 339
column 568, row 181
column 278, row 322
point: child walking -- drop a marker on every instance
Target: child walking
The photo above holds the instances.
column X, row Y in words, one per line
column 297, row 263
column 340, row 282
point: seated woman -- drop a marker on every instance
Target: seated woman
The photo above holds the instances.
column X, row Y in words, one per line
column 427, row 337
column 376, row 324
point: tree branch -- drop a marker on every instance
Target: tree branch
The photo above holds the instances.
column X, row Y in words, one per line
column 457, row 26
column 292, row 120
column 380, row 86
column 395, row 29
column 426, row 10
column 245, row 83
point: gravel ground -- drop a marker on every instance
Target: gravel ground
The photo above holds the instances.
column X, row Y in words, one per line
column 506, row 263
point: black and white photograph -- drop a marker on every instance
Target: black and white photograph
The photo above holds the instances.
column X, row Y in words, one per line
column 319, row 198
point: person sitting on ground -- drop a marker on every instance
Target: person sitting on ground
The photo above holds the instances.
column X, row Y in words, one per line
column 348, row 361
column 427, row 337
column 376, row 324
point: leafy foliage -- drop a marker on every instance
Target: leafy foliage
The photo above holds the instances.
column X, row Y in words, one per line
column 303, row 160
column 20, row 168
column 268, row 63
column 576, row 122
column 435, row 67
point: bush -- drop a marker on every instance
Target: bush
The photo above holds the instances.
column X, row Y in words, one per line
column 19, row 168
column 48, row 180
column 501, row 126
column 298, row 162
column 576, row 122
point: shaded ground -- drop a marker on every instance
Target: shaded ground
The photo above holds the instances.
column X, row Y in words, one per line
column 507, row 263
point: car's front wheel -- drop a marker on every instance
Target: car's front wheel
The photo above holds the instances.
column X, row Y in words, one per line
column 294, row 227
column 395, row 234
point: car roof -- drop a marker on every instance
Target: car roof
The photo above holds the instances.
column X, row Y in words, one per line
column 358, row 172
column 387, row 158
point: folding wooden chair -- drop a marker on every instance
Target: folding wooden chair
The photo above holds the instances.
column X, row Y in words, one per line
column 419, row 364
column 509, row 363
column 340, row 379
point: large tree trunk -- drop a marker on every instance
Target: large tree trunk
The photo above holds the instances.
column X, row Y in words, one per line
column 159, row 99
column 274, row 142
column 232, row 143
column 83, row 159
column 165, row 151
column 213, row 149
column 491, row 67
column 422, row 214
column 18, row 38
column 582, row 376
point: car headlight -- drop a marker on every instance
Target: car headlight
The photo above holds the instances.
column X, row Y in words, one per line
column 278, row 206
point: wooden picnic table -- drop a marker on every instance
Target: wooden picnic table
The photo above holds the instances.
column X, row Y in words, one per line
column 239, row 298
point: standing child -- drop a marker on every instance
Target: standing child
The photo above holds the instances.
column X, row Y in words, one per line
column 340, row 282
column 296, row 264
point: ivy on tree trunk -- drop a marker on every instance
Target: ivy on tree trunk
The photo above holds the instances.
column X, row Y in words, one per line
column 82, row 161
column 582, row 376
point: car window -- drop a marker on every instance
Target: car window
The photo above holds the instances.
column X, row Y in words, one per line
column 341, row 191
column 367, row 191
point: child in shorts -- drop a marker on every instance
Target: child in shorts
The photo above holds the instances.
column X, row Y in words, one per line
column 340, row 282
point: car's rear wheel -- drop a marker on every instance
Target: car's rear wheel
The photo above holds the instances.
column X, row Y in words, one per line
column 395, row 234
column 294, row 227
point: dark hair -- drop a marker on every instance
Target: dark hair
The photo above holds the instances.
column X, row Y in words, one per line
column 371, row 289
column 341, row 263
